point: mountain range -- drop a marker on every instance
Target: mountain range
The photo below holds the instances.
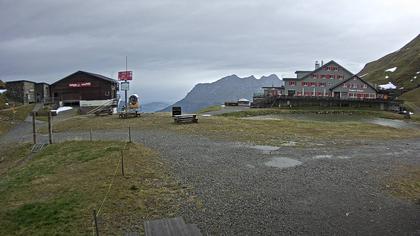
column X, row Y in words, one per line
column 229, row 88
column 153, row 106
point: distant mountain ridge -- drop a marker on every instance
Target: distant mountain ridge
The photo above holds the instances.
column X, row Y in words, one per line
column 229, row 88
column 401, row 67
column 153, row 106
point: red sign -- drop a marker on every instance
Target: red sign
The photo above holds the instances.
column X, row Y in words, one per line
column 80, row 84
column 125, row 75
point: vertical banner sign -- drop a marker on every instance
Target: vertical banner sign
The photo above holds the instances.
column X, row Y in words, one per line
column 125, row 75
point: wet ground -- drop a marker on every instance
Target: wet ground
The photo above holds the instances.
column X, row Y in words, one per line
column 263, row 190
column 406, row 124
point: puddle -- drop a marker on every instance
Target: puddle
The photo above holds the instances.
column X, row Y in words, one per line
column 264, row 148
column 282, row 162
column 340, row 117
column 250, row 166
column 322, row 157
column 327, row 156
column 206, row 115
column 289, row 144
column 399, row 124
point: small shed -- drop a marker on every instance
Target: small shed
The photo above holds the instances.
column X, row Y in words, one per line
column 42, row 92
column 22, row 91
column 273, row 91
column 243, row 102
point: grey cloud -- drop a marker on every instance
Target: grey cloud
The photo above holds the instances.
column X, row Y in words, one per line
column 172, row 45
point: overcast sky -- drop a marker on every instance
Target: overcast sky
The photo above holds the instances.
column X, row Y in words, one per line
column 174, row 44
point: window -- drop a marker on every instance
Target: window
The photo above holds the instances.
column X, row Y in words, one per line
column 314, row 76
column 292, row 83
column 364, row 85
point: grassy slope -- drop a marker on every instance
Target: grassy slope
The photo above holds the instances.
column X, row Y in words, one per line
column 406, row 183
column 56, row 191
column 407, row 59
column 8, row 120
column 269, row 132
column 210, row 108
column 3, row 101
column 412, row 97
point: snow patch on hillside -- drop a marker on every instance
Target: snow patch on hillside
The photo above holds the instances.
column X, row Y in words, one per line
column 387, row 86
column 391, row 69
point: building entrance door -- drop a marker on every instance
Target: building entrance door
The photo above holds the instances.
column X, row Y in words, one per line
column 337, row 94
column 291, row 93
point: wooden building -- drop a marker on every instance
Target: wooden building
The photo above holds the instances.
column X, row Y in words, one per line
column 84, row 86
column 329, row 80
column 22, row 91
column 42, row 92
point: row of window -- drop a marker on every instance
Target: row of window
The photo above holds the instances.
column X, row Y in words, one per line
column 315, row 84
column 332, row 68
column 321, row 76
column 362, row 95
column 313, row 94
column 355, row 86
column 328, row 94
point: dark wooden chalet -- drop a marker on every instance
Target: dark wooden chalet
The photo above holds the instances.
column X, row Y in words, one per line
column 83, row 85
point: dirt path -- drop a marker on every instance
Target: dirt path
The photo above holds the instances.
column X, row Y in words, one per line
column 331, row 191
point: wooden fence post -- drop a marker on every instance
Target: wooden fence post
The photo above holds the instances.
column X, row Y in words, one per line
column 129, row 134
column 96, row 223
column 50, row 128
column 122, row 163
column 34, row 127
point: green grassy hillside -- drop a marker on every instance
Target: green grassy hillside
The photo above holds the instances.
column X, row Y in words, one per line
column 55, row 191
column 407, row 61
column 412, row 99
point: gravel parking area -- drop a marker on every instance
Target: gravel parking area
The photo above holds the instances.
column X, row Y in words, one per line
column 329, row 190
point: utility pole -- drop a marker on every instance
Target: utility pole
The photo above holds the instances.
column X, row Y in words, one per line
column 126, row 100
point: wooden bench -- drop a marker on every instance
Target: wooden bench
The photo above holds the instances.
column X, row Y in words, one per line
column 186, row 118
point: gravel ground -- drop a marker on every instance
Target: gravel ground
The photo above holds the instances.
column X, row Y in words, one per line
column 338, row 191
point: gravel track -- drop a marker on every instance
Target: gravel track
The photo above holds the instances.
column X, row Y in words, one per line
column 334, row 191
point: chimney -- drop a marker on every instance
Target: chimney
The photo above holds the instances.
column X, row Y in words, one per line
column 322, row 62
column 316, row 65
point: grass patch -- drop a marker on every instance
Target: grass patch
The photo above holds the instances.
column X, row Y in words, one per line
column 269, row 132
column 3, row 100
column 407, row 185
column 360, row 112
column 210, row 108
column 8, row 119
column 56, row 190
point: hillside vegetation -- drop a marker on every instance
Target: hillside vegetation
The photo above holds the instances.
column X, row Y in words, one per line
column 9, row 118
column 412, row 99
column 55, row 191
column 407, row 63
